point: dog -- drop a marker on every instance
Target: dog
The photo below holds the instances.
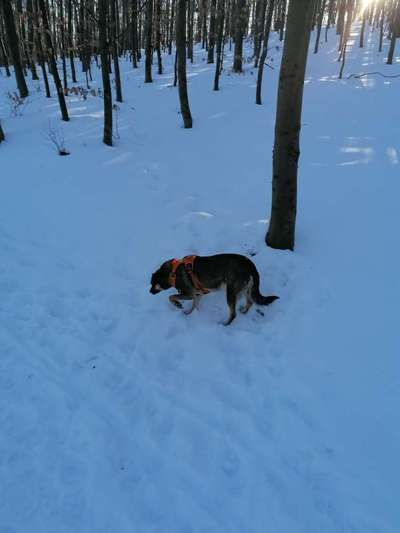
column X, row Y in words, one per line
column 194, row 276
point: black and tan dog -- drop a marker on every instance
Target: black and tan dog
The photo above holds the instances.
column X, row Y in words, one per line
column 194, row 276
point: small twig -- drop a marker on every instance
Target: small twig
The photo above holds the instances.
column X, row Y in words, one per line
column 372, row 74
column 270, row 66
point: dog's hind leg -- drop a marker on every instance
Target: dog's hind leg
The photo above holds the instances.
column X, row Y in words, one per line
column 249, row 300
column 231, row 294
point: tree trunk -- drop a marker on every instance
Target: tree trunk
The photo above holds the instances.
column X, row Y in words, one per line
column 260, row 15
column 114, row 48
column 52, row 61
column 381, row 25
column 220, row 39
column 5, row 58
column 149, row 46
column 240, row 23
column 13, row 46
column 281, row 231
column 211, row 33
column 319, row 26
column 30, row 47
column 135, row 44
column 39, row 48
column 2, row 136
column 263, row 57
column 181, row 63
column 158, row 36
column 70, row 42
column 107, row 137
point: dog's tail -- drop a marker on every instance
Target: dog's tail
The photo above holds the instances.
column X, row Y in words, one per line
column 258, row 298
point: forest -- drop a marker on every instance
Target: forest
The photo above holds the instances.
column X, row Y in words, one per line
column 136, row 131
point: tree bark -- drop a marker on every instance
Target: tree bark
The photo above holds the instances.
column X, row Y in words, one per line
column 149, row 45
column 114, row 48
column 240, row 23
column 181, row 63
column 52, row 62
column 107, row 136
column 13, row 46
column 263, row 57
column 281, row 231
column 211, row 33
column 220, row 39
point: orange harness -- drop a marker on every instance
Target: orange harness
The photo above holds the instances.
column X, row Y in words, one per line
column 187, row 262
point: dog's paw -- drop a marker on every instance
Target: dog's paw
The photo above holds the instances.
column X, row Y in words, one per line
column 177, row 304
column 244, row 308
column 188, row 311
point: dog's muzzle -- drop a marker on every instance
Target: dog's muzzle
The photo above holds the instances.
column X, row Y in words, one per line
column 155, row 290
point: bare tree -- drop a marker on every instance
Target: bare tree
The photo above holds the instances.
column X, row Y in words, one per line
column 263, row 57
column 107, row 135
column 13, row 46
column 52, row 61
column 149, row 44
column 281, row 231
column 181, row 63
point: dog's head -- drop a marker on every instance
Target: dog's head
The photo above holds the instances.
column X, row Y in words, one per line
column 160, row 278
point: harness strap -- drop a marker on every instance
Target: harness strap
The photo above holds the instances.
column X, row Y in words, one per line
column 187, row 262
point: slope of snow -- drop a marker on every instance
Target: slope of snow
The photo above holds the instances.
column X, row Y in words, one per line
column 119, row 413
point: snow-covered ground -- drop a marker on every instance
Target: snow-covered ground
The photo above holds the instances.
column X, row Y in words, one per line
column 118, row 413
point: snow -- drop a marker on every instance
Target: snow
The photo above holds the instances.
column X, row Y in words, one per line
column 118, row 412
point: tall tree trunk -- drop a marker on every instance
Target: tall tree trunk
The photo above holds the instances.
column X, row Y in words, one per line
column 52, row 61
column 5, row 58
column 240, row 24
column 281, row 231
column 263, row 57
column 114, row 48
column 30, row 46
column 158, row 36
column 181, row 63
column 13, row 46
column 211, row 33
column 260, row 15
column 2, row 136
column 381, row 26
column 103, row 8
column 39, row 48
column 319, row 26
column 70, row 42
column 149, row 44
column 220, row 40
column 364, row 19
column 135, row 44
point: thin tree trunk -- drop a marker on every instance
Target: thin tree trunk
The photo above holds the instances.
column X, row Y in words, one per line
column 382, row 21
column 149, row 45
column 220, row 39
column 363, row 29
column 211, row 33
column 2, row 136
column 13, row 46
column 52, row 62
column 135, row 44
column 39, row 48
column 181, row 60
column 70, row 42
column 114, row 48
column 107, row 136
column 263, row 57
column 158, row 36
column 319, row 27
column 31, row 39
column 5, row 58
column 259, row 31
column 281, row 231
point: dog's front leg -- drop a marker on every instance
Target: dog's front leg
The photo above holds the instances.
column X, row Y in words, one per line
column 174, row 299
column 195, row 304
